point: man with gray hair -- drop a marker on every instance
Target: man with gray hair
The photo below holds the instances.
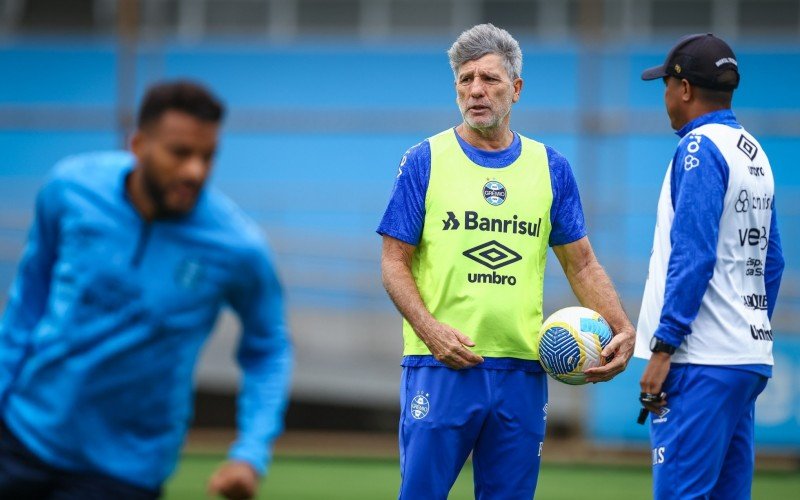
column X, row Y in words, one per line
column 465, row 239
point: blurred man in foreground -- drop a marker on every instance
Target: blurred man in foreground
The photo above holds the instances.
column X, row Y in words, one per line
column 128, row 262
column 714, row 276
column 465, row 240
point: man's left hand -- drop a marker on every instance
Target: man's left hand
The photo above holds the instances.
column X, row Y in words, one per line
column 653, row 378
column 619, row 350
column 234, row 480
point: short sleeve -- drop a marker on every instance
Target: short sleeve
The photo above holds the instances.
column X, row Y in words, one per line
column 566, row 213
column 405, row 213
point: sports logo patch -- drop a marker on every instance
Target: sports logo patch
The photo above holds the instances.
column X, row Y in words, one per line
column 451, row 222
column 742, row 202
column 494, row 193
column 492, row 254
column 420, row 406
column 189, row 273
column 402, row 164
column 690, row 162
column 662, row 415
column 747, row 147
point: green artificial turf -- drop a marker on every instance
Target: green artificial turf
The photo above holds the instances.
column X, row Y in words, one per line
column 351, row 479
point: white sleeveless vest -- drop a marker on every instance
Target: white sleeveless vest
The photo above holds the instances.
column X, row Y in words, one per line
column 732, row 327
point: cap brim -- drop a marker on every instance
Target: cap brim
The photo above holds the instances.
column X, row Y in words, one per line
column 654, row 73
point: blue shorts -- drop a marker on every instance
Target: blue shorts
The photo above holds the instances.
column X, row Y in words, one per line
column 703, row 446
column 498, row 415
column 23, row 475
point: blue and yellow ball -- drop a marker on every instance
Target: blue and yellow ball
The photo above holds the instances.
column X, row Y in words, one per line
column 571, row 341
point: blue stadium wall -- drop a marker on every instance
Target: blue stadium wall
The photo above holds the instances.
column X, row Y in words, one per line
column 316, row 130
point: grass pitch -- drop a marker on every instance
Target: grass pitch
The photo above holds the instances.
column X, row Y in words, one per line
column 356, row 479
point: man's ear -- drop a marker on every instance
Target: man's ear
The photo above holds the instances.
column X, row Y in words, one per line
column 687, row 92
column 137, row 143
column 518, row 83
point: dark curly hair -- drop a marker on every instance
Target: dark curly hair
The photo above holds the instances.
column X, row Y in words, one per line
column 180, row 95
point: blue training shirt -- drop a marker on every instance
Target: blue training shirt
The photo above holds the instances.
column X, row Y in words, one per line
column 106, row 318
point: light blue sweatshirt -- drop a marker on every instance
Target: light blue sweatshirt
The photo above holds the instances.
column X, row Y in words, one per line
column 108, row 313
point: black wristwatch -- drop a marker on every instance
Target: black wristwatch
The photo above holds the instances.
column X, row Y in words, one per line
column 658, row 345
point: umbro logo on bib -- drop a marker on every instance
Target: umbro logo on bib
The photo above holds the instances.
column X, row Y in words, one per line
column 492, row 254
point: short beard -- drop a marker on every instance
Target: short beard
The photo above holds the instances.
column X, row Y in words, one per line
column 480, row 127
column 157, row 195
column 492, row 126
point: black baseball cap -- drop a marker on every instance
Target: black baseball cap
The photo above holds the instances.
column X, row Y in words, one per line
column 701, row 59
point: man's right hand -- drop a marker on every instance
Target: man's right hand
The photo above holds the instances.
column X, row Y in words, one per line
column 234, row 480
column 449, row 346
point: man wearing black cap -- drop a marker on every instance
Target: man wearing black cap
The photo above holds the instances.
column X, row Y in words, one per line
column 714, row 275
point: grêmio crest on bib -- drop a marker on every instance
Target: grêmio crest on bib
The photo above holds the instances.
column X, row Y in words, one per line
column 494, row 192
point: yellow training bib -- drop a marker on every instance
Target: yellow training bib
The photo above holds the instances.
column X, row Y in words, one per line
column 479, row 265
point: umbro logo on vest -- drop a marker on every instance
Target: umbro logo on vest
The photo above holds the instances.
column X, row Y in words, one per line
column 493, row 255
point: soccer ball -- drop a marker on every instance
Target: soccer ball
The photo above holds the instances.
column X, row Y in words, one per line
column 571, row 341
